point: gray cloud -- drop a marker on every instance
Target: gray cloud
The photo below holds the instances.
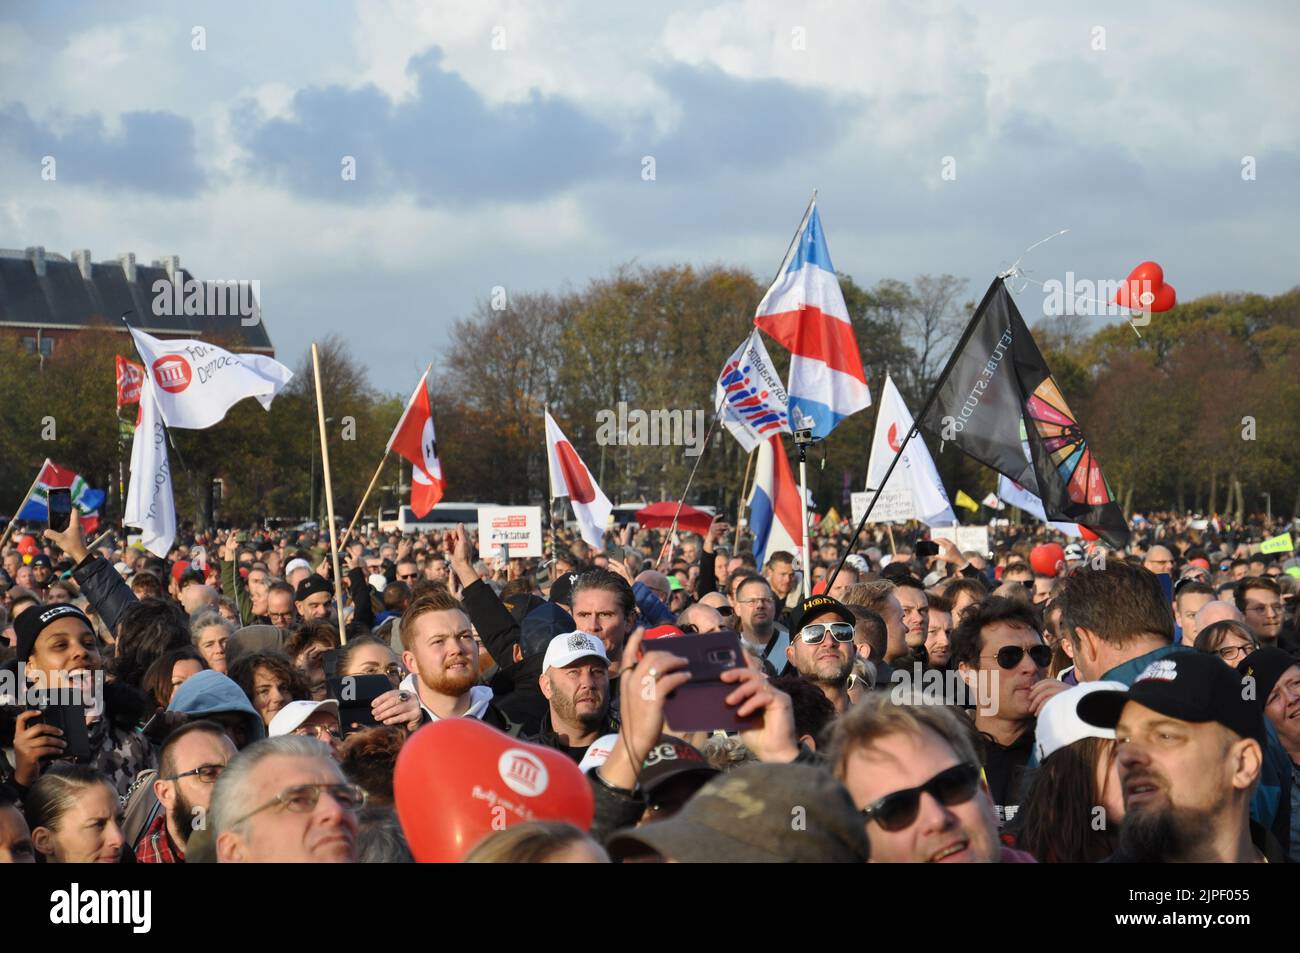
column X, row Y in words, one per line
column 153, row 153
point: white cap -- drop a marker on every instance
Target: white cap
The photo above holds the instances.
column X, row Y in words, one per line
column 1074, row 551
column 294, row 714
column 1059, row 723
column 298, row 563
column 598, row 753
column 568, row 648
column 378, row 580
column 858, row 562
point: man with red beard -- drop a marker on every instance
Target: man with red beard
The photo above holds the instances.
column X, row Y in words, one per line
column 1001, row 656
column 821, row 647
column 442, row 655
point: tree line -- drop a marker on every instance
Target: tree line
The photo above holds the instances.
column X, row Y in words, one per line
column 1198, row 410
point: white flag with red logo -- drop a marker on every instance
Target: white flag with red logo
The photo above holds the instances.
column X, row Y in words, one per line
column 915, row 473
column 414, row 439
column 149, row 501
column 196, row 383
column 570, row 477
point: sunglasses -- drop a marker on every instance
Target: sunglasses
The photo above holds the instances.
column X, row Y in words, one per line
column 815, row 633
column 897, row 811
column 725, row 610
column 1009, row 656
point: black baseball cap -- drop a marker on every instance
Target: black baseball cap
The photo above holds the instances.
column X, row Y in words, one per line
column 814, row 606
column 311, row 585
column 1189, row 686
column 1265, row 666
column 673, row 758
column 562, row 588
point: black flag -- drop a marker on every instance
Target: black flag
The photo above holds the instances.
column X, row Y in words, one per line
column 999, row 403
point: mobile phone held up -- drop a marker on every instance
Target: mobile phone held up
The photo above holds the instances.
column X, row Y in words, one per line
column 60, row 506
column 700, row 704
column 71, row 720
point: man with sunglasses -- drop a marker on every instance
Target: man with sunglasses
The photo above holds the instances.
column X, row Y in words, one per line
column 821, row 647
column 192, row 758
column 285, row 800
column 913, row 772
column 1001, row 656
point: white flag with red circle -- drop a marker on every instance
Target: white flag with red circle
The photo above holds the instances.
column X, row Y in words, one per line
column 570, row 477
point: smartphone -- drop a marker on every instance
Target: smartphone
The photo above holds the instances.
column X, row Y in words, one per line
column 699, row 704
column 60, row 504
column 71, row 720
column 329, row 660
column 355, row 694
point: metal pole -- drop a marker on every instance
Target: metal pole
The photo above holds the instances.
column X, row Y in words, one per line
column 803, row 515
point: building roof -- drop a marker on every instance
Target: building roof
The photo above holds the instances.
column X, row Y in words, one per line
column 48, row 291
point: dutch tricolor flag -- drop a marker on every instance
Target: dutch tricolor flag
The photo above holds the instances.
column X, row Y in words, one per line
column 805, row 311
column 774, row 513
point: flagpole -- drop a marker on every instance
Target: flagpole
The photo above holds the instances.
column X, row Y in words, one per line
column 740, row 506
column 803, row 510
column 673, row 526
column 365, row 496
column 30, row 490
column 329, row 495
column 929, row 402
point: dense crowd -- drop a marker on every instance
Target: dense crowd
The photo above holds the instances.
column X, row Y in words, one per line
column 1035, row 703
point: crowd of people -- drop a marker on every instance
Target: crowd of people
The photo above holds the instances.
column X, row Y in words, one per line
column 1034, row 703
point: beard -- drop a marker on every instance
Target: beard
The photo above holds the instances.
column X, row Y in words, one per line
column 1164, row 834
column 567, row 709
column 833, row 672
column 450, row 683
column 182, row 817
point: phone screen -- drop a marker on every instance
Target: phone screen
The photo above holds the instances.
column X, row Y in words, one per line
column 60, row 504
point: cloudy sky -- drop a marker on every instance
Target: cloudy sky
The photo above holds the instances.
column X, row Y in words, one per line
column 505, row 144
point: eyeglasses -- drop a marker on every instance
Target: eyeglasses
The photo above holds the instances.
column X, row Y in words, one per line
column 1232, row 653
column 814, row 634
column 322, row 732
column 410, row 575
column 302, row 798
column 207, row 773
column 897, row 811
column 280, row 616
column 1009, row 656
column 725, row 611
column 1274, row 608
column 761, row 600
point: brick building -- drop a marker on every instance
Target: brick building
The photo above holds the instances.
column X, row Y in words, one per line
column 46, row 298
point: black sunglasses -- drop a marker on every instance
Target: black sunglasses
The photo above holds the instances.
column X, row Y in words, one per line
column 897, row 811
column 725, row 610
column 1009, row 656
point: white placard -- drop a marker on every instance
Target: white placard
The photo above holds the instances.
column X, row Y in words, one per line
column 965, row 538
column 516, row 527
column 894, row 506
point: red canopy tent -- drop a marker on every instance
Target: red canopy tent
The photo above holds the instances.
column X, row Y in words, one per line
column 660, row 516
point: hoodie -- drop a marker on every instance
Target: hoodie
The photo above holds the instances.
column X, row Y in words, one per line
column 211, row 693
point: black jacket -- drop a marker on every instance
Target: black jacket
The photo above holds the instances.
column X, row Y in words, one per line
column 105, row 590
column 549, row 738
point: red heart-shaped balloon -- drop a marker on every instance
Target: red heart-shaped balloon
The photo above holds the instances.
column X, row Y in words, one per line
column 1145, row 290
column 458, row 780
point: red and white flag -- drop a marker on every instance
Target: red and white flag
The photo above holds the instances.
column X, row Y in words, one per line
column 570, row 477
column 414, row 439
column 130, row 376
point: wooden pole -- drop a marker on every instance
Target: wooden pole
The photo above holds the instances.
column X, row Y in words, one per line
column 362, row 505
column 889, row 528
column 27, row 496
column 329, row 495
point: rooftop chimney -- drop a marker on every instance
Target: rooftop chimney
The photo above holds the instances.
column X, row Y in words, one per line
column 36, row 254
column 128, row 266
column 81, row 257
column 173, row 265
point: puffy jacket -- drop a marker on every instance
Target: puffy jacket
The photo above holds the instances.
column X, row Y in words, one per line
column 105, row 590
